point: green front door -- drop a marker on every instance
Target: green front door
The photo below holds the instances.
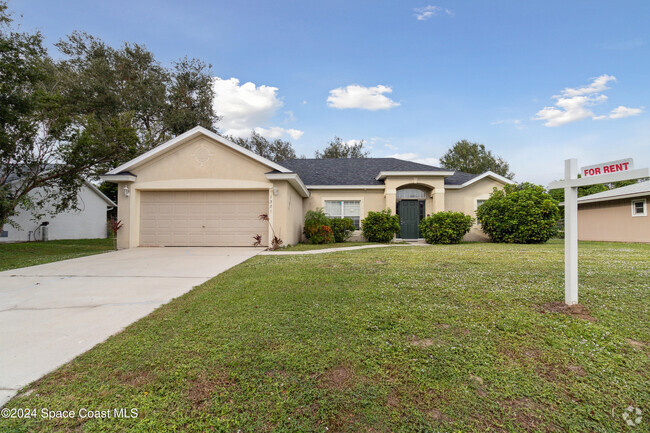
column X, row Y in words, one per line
column 409, row 218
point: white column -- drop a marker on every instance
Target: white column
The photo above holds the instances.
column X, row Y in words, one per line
column 570, row 234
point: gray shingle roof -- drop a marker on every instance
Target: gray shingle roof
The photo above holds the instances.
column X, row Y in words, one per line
column 361, row 171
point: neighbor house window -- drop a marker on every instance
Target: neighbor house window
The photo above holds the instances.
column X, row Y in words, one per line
column 639, row 208
column 479, row 203
column 344, row 209
column 4, row 234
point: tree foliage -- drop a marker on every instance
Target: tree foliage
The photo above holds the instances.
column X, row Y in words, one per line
column 337, row 148
column 558, row 193
column 522, row 214
column 474, row 158
column 65, row 120
column 276, row 150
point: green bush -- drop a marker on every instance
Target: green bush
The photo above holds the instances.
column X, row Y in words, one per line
column 342, row 228
column 380, row 226
column 317, row 228
column 445, row 227
column 522, row 214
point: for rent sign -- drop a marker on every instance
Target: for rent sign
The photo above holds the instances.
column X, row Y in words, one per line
column 608, row 167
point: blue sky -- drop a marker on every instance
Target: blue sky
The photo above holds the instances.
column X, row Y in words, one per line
column 536, row 82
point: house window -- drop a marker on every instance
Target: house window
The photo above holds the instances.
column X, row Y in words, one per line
column 344, row 209
column 639, row 208
column 410, row 193
column 479, row 203
column 4, row 234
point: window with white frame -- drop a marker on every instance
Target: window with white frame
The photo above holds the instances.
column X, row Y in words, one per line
column 344, row 209
column 639, row 208
column 480, row 202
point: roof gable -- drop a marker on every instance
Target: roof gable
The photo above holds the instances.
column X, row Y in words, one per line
column 187, row 137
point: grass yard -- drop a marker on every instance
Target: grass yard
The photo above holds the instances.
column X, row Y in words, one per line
column 462, row 338
column 19, row 255
column 309, row 247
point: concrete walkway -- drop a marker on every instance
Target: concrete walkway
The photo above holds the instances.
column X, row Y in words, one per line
column 336, row 250
column 51, row 313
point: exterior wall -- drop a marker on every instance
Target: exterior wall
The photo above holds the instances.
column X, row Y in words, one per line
column 435, row 201
column 199, row 164
column 287, row 212
column 612, row 221
column 89, row 222
column 371, row 200
column 464, row 200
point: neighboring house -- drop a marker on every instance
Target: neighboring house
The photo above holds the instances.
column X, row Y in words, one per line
column 201, row 189
column 619, row 215
column 86, row 222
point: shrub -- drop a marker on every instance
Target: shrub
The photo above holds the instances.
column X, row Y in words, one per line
column 342, row 228
column 445, row 227
column 380, row 226
column 522, row 214
column 317, row 229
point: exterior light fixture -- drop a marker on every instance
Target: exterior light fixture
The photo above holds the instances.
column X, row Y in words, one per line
column 126, row 191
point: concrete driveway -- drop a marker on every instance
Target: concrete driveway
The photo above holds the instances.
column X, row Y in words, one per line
column 51, row 313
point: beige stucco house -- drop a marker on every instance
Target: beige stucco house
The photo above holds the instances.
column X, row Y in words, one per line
column 200, row 189
column 618, row 215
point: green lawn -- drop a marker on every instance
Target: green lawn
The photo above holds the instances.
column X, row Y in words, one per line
column 309, row 247
column 23, row 254
column 462, row 338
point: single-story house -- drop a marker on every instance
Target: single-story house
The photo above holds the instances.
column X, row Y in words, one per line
column 200, row 189
column 88, row 221
column 618, row 215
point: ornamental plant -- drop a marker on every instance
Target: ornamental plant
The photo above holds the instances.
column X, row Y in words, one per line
column 342, row 228
column 317, row 228
column 380, row 226
column 445, row 227
column 523, row 214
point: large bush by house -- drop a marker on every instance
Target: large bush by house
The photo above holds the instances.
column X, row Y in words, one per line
column 445, row 227
column 317, row 228
column 522, row 214
column 380, row 226
column 342, row 228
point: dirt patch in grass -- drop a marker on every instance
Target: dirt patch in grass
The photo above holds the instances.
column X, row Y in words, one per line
column 636, row 344
column 524, row 412
column 135, row 379
column 576, row 310
column 202, row 389
column 338, row 378
column 423, row 342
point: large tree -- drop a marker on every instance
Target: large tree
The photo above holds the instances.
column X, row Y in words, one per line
column 275, row 150
column 474, row 158
column 337, row 148
column 67, row 120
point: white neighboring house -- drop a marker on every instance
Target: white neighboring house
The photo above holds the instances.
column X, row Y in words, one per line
column 86, row 222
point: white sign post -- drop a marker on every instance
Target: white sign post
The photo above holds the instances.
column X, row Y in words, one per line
column 607, row 172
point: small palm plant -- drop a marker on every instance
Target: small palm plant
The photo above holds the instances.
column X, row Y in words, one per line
column 276, row 242
column 114, row 225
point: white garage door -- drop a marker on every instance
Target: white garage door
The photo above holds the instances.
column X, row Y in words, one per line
column 202, row 218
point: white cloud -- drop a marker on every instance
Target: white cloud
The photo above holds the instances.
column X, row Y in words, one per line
column 574, row 104
column 416, row 158
column 365, row 98
column 426, row 12
column 248, row 107
column 622, row 111
column 514, row 122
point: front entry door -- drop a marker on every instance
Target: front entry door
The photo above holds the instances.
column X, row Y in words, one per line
column 409, row 218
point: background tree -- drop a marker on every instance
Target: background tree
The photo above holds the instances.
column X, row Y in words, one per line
column 474, row 158
column 558, row 193
column 97, row 107
column 337, row 148
column 276, row 150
